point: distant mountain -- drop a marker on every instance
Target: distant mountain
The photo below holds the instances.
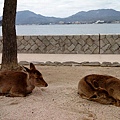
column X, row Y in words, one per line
column 106, row 15
column 0, row 17
column 0, row 22
column 28, row 17
column 94, row 15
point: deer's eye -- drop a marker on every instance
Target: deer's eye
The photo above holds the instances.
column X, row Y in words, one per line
column 37, row 79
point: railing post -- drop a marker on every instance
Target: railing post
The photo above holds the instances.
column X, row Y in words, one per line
column 99, row 44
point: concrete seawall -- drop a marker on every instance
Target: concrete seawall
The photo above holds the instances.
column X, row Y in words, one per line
column 68, row 44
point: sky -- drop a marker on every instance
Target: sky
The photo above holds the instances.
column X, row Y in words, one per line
column 63, row 8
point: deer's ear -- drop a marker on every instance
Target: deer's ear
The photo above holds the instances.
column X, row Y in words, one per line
column 95, row 83
column 32, row 67
column 28, row 70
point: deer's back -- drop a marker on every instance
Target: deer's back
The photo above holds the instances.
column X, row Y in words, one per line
column 100, row 79
column 13, row 78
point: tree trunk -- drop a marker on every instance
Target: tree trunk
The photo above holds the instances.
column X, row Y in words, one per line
column 9, row 53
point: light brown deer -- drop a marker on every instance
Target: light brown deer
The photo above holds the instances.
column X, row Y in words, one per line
column 20, row 84
column 104, row 89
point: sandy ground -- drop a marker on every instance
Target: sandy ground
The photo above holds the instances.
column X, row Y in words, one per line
column 60, row 101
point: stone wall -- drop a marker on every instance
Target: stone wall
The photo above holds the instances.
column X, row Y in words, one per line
column 68, row 44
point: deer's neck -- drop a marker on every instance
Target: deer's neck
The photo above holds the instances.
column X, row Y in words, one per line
column 29, row 82
column 30, row 86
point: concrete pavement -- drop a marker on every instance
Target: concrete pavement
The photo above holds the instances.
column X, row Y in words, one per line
column 68, row 57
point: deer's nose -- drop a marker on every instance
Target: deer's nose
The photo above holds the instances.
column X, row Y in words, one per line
column 46, row 85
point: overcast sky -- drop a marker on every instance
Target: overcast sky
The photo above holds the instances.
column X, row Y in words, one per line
column 63, row 8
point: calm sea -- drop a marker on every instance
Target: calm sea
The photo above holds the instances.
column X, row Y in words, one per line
column 67, row 29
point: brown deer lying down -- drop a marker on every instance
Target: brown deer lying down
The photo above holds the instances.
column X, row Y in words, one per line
column 100, row 88
column 20, row 84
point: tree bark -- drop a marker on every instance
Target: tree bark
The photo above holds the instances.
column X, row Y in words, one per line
column 9, row 53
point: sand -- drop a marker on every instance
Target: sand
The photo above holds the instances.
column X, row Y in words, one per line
column 60, row 101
